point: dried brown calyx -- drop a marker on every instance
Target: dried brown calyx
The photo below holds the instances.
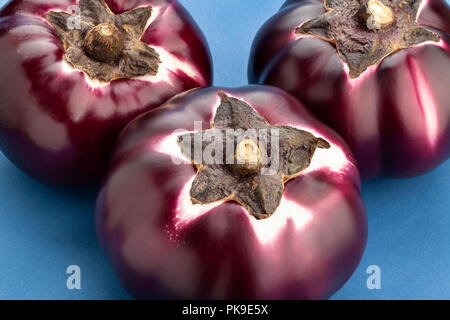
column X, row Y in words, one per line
column 245, row 159
column 366, row 31
column 106, row 46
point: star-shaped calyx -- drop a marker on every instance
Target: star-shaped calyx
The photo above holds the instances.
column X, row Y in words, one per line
column 245, row 159
column 366, row 31
column 106, row 46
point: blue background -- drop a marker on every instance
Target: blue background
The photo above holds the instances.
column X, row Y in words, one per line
column 44, row 229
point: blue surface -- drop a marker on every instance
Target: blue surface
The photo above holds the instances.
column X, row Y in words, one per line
column 43, row 229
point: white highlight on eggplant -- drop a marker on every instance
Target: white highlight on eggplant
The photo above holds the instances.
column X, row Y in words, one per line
column 355, row 83
column 333, row 158
column 169, row 145
column 288, row 213
column 155, row 14
column 35, row 48
column 426, row 101
column 30, row 30
column 421, row 6
column 186, row 211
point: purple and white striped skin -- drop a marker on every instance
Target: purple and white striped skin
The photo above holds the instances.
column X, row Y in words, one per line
column 395, row 116
column 56, row 123
column 163, row 246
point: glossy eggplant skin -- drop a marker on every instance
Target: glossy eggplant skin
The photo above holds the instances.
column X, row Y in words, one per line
column 55, row 124
column 164, row 247
column 395, row 116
